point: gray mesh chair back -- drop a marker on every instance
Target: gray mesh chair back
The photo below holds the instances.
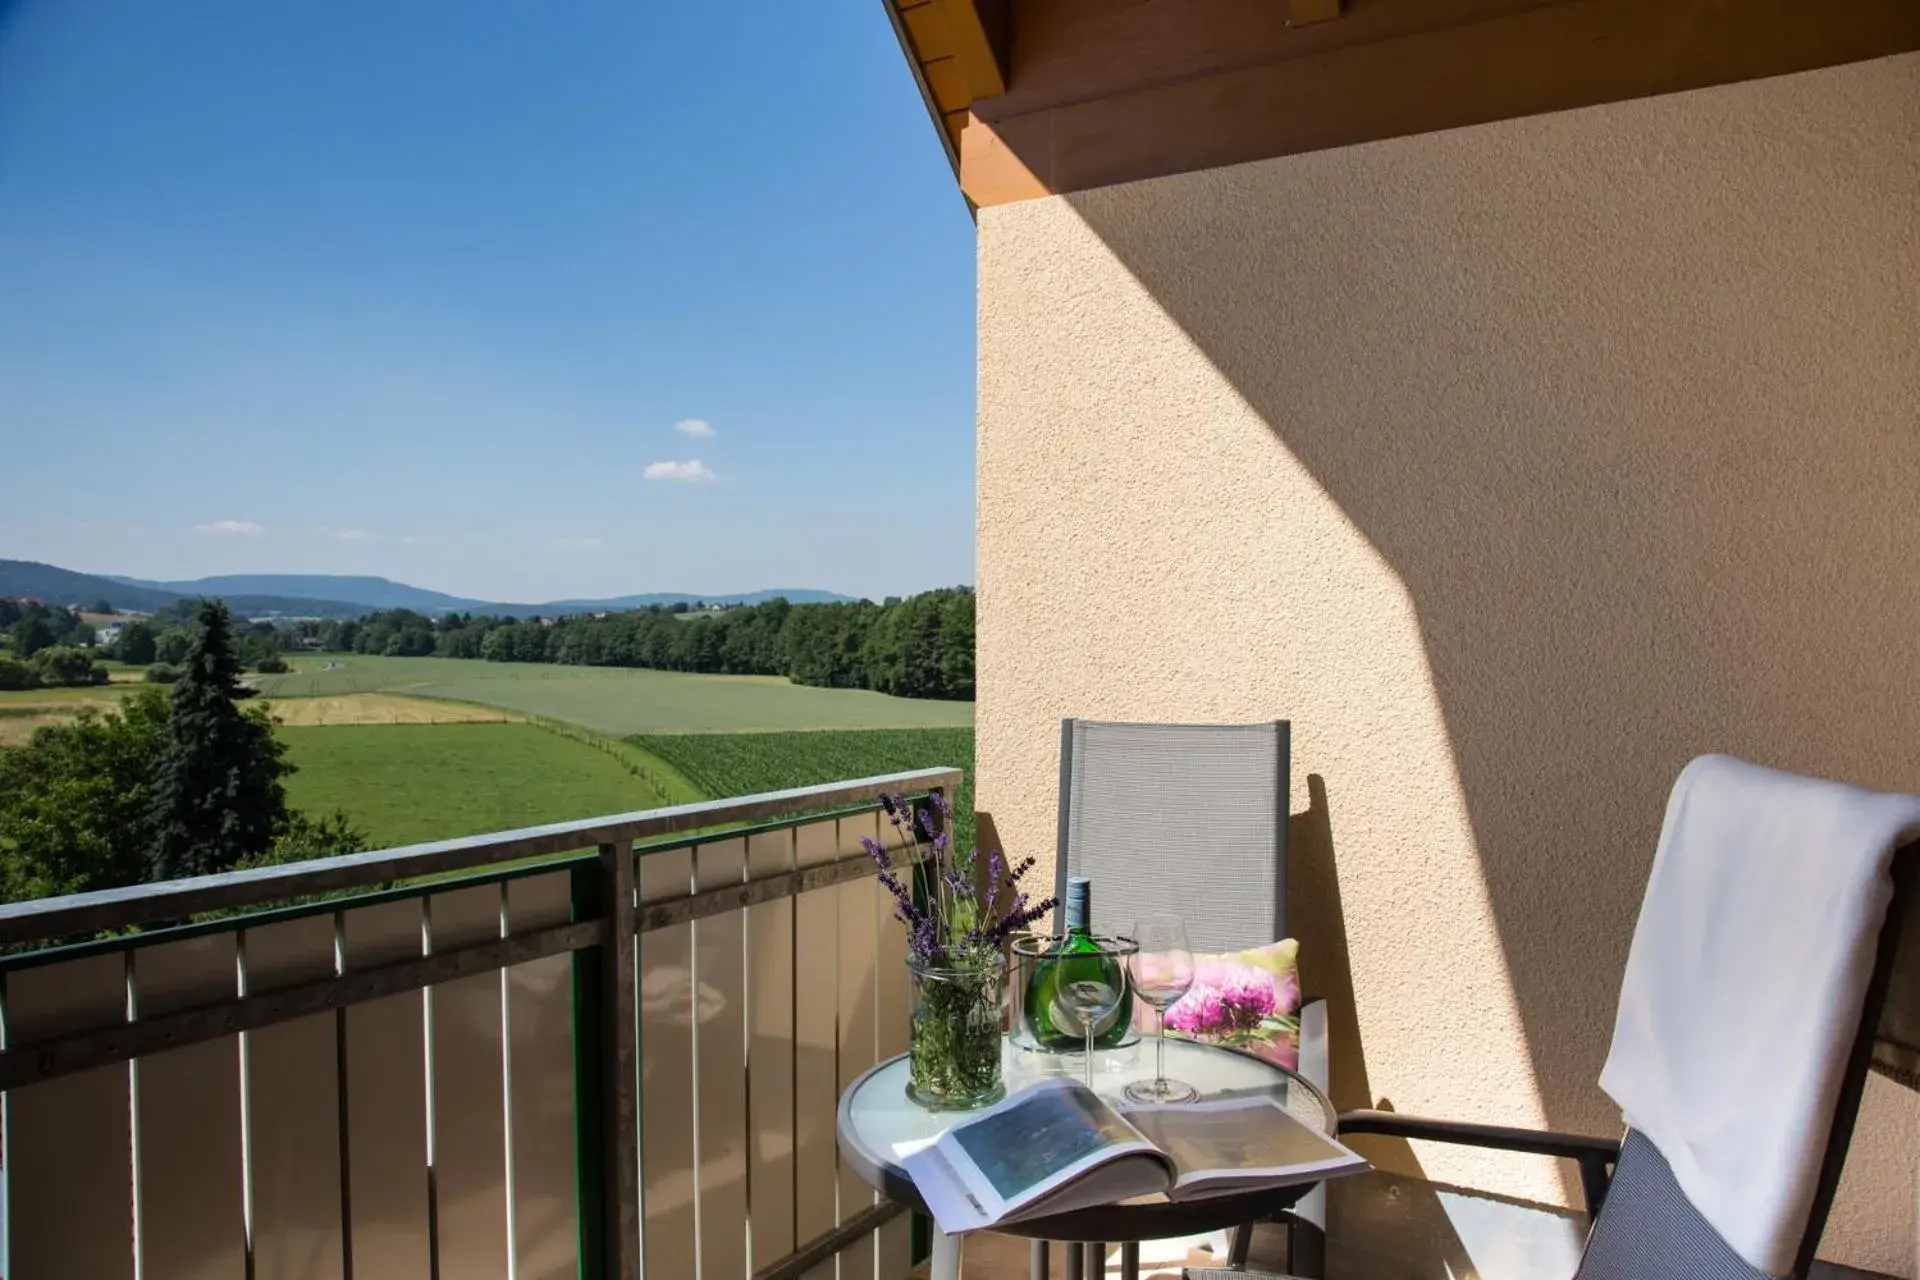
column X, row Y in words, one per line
column 1175, row 817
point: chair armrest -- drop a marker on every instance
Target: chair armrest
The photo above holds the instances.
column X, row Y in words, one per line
column 1538, row 1142
column 1595, row 1155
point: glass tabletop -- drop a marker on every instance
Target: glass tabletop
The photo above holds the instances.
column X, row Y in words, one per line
column 883, row 1125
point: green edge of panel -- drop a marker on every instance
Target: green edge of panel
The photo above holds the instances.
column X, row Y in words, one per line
column 588, row 1122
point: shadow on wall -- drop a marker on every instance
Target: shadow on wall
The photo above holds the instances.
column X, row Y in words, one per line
column 1624, row 398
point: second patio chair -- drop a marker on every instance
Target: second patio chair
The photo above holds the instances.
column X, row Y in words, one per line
column 1192, row 819
column 1808, row 875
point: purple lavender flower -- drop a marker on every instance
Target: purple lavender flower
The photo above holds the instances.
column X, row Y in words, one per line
column 953, row 889
column 923, row 941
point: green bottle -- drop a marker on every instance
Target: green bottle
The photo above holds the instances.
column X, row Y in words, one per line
column 1054, row 1025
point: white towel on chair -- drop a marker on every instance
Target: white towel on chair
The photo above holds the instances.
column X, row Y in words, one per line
column 1744, row 986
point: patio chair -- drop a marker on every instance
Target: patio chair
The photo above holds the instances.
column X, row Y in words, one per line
column 1189, row 818
column 1643, row 1224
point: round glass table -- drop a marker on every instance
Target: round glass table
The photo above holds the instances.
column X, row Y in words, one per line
column 879, row 1125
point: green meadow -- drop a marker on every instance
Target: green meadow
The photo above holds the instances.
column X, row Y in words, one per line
column 732, row 764
column 618, row 701
column 405, row 783
column 575, row 742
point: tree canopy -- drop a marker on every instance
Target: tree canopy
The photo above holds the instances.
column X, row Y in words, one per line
column 31, row 633
column 920, row 647
column 136, row 644
column 75, row 801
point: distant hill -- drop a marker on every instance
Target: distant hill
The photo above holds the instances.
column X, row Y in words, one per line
column 792, row 595
column 385, row 593
column 369, row 593
column 327, row 595
column 63, row 586
column 55, row 585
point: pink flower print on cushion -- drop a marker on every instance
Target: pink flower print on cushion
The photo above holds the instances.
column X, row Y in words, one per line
column 1217, row 971
column 1246, row 1000
column 1200, row 1012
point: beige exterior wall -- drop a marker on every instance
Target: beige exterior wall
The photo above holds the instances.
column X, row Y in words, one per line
column 1516, row 465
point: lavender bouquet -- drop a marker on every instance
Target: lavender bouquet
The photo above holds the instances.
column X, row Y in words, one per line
column 959, row 910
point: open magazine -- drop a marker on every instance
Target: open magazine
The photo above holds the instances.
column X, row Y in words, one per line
column 1059, row 1146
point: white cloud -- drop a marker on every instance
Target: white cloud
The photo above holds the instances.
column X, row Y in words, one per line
column 577, row 544
column 692, row 470
column 242, row 528
column 698, row 428
column 353, row 535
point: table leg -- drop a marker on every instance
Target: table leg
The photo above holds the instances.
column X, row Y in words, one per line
column 1097, row 1261
column 1130, row 1260
column 943, row 1261
column 1242, row 1246
column 1076, row 1261
column 1038, row 1260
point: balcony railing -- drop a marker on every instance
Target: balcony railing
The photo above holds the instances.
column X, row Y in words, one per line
column 525, row 1061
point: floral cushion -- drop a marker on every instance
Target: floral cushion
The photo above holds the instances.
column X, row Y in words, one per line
column 1249, row 1000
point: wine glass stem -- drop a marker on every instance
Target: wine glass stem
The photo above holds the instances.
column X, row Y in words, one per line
column 1089, row 1051
column 1160, row 1053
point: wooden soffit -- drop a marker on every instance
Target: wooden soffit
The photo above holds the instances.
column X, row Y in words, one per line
column 958, row 51
column 1043, row 97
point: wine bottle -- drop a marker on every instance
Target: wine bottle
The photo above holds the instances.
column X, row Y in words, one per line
column 1075, row 957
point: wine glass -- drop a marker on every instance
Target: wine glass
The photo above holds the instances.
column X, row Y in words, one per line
column 1162, row 969
column 1091, row 991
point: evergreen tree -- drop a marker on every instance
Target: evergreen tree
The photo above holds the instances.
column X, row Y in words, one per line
column 217, row 796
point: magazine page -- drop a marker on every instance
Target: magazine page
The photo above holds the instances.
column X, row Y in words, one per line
column 1240, row 1143
column 1039, row 1151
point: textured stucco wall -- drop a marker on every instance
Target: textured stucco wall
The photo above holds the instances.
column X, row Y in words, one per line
column 1515, row 464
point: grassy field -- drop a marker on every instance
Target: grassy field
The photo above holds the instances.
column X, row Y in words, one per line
column 380, row 708
column 431, row 748
column 107, row 694
column 23, row 711
column 733, row 764
column 403, row 783
column 618, row 701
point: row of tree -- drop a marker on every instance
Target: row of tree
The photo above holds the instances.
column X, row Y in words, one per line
column 31, row 629
column 30, row 626
column 56, row 666
column 919, row 647
column 179, row 783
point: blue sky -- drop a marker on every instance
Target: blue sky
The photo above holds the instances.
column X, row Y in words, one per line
column 425, row 289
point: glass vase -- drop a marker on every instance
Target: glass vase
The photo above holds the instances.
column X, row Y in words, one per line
column 954, row 1046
